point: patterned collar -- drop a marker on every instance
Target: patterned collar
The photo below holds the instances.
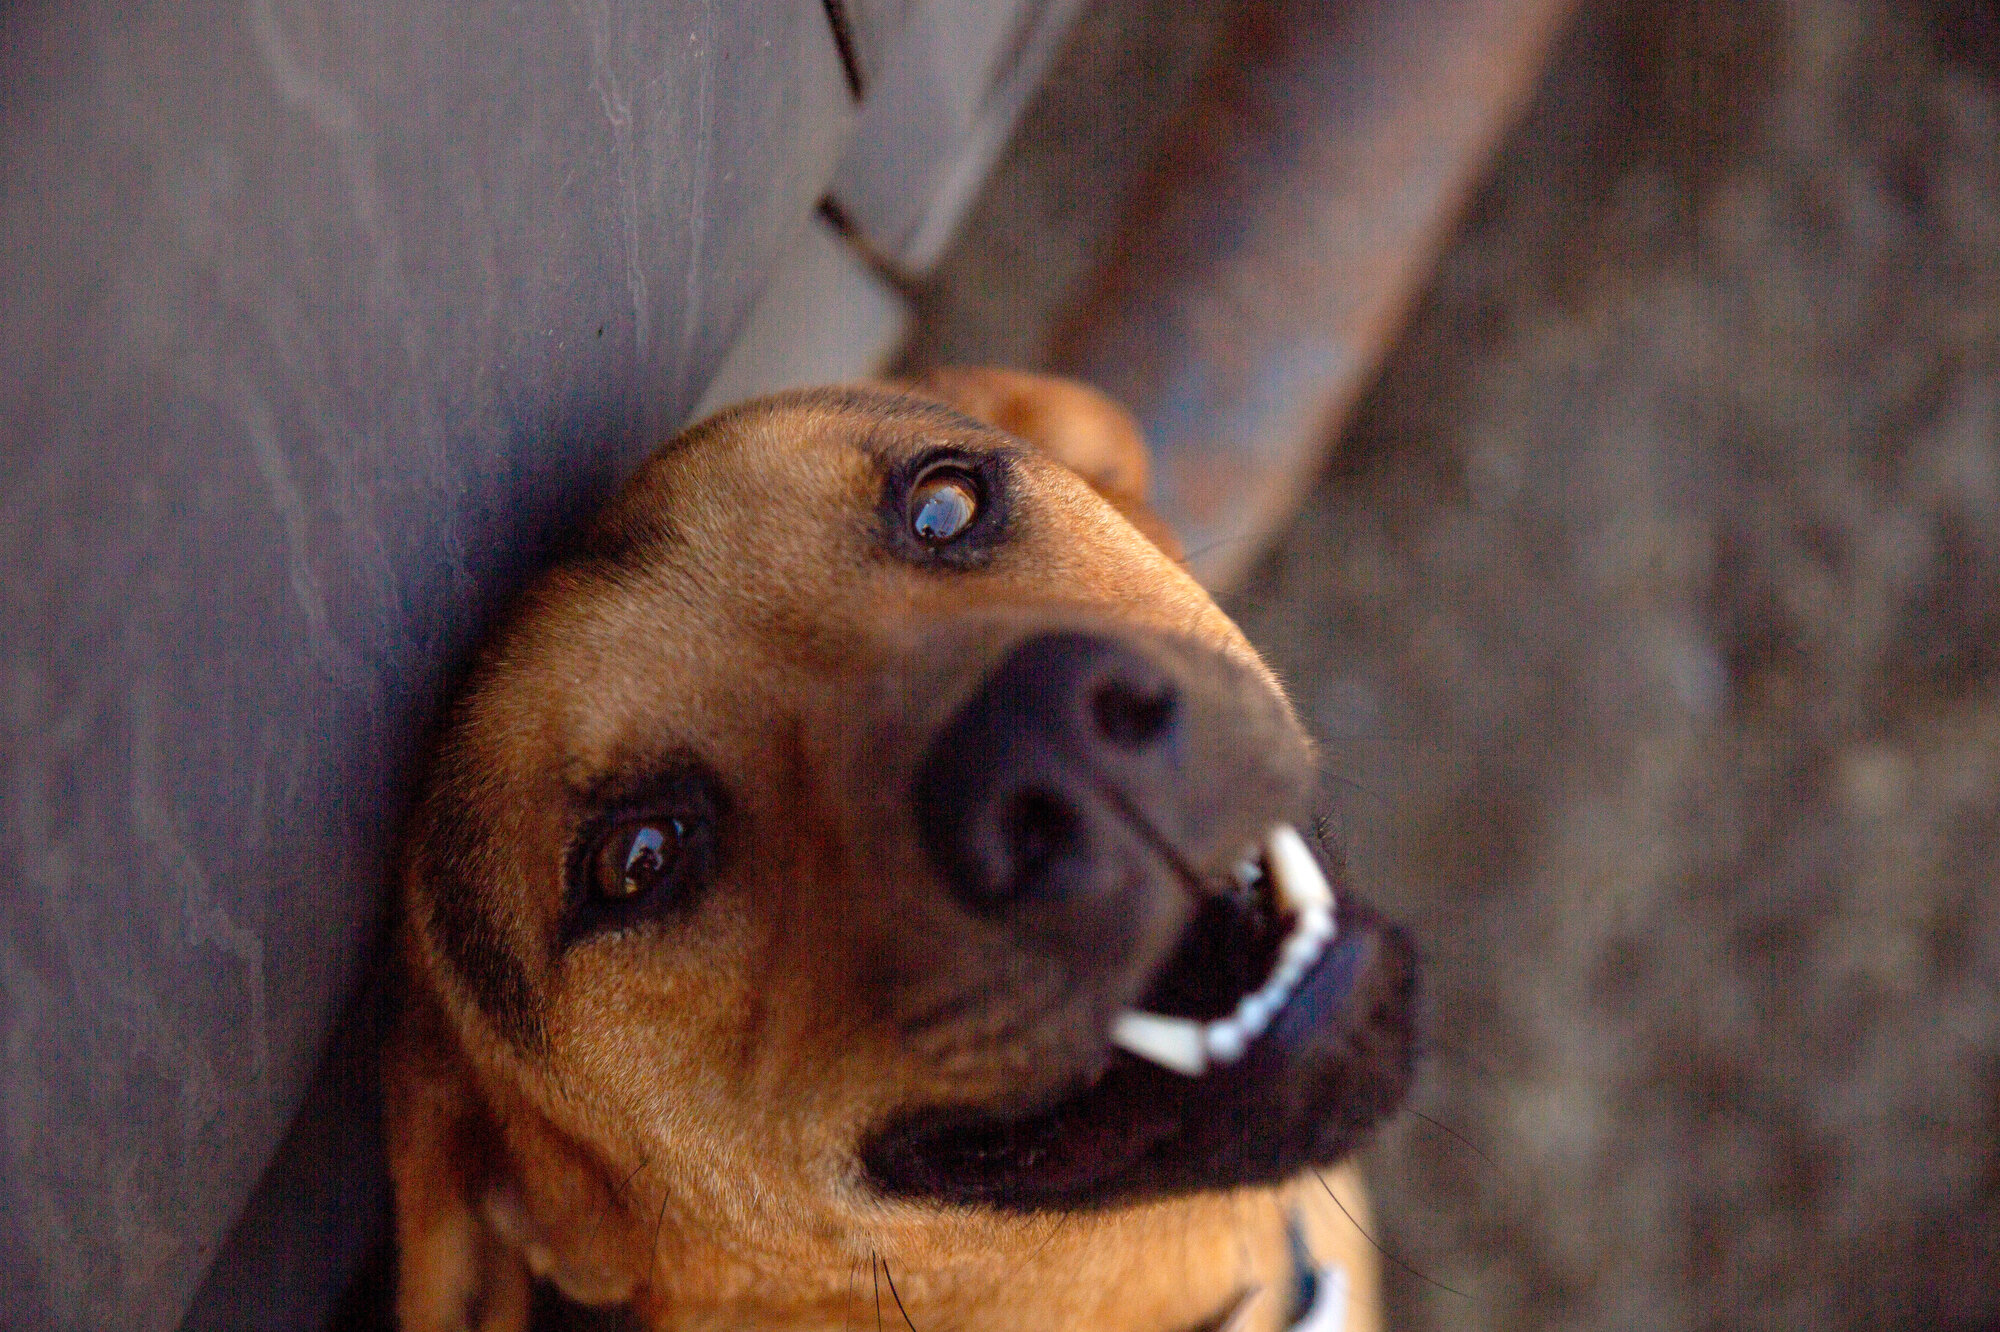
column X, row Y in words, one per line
column 1319, row 1292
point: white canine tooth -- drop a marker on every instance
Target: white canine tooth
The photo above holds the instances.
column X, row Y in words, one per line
column 1188, row 1047
column 1297, row 874
column 1316, row 923
column 1172, row 1043
column 1225, row 1040
column 1300, row 951
column 1287, row 974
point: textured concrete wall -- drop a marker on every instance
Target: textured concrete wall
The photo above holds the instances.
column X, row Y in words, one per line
column 319, row 321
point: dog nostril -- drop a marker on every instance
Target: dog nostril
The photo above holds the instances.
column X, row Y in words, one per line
column 1130, row 717
column 1039, row 830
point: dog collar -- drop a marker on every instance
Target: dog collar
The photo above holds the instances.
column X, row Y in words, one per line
column 1319, row 1291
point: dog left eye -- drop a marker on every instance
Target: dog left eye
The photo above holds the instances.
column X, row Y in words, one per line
column 943, row 504
column 636, row 857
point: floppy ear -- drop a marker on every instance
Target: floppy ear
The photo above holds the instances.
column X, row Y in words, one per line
column 1070, row 422
column 485, row 1203
column 454, row 1271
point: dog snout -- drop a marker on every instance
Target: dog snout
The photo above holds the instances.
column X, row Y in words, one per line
column 1044, row 785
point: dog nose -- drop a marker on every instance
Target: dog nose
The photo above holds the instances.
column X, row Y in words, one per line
column 1040, row 787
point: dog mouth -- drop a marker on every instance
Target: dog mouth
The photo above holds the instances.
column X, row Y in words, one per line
column 1238, row 934
column 1278, row 1032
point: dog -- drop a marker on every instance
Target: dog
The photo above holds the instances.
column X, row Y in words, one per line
column 861, row 874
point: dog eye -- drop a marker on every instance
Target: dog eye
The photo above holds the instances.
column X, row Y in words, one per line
column 943, row 504
column 648, row 847
column 636, row 857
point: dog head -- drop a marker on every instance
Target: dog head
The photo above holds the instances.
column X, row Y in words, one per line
column 809, row 854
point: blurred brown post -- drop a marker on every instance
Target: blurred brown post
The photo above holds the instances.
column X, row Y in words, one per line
column 1271, row 254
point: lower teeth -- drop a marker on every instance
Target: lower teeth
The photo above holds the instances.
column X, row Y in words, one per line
column 1188, row 1047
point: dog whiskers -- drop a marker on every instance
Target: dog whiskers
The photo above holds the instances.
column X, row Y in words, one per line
column 1162, row 847
column 659, row 1224
column 590, row 1245
column 1362, row 1231
column 895, row 1296
column 1447, row 1129
column 1226, row 538
column 1324, row 766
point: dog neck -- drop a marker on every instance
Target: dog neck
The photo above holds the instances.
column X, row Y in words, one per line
column 1280, row 1260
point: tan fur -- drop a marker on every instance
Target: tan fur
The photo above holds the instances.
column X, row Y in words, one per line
column 678, row 1132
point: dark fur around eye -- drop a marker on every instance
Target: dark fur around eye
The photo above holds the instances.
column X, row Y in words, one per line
column 665, row 827
column 986, row 472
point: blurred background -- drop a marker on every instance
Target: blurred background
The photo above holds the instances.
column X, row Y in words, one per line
column 1592, row 407
column 1648, row 609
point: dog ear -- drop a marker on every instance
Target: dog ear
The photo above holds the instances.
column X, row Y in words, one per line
column 470, row 1233
column 1070, row 422
column 454, row 1271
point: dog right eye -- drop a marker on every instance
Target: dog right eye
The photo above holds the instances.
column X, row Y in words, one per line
column 636, row 857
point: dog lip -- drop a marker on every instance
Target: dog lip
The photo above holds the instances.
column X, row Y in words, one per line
column 1337, row 1059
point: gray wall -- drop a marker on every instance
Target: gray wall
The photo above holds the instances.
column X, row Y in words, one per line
column 318, row 322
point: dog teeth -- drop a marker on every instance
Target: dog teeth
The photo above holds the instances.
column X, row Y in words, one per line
column 1300, row 884
column 1174, row 1043
column 1190, row 1048
column 1225, row 1041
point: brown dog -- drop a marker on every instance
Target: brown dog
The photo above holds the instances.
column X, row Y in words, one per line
column 859, row 877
